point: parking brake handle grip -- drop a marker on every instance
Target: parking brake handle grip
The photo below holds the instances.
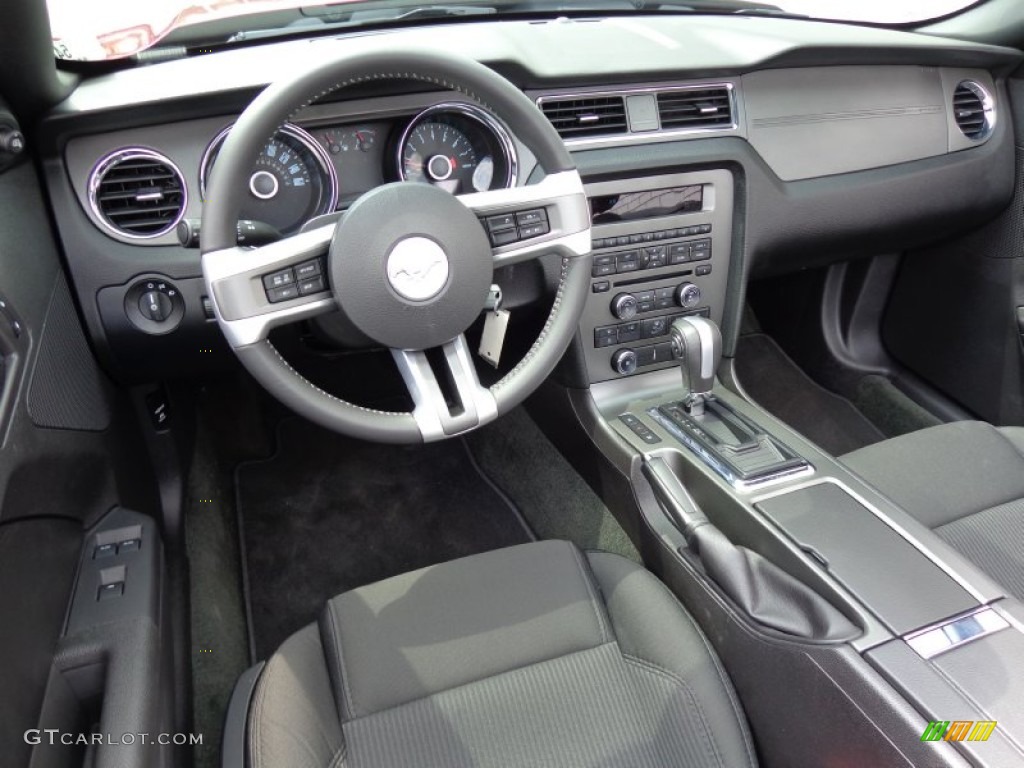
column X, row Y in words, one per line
column 763, row 591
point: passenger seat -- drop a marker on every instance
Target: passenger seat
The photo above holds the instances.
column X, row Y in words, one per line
column 965, row 481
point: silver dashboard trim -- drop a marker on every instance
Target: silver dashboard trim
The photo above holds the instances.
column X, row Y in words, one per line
column 647, row 137
column 473, row 112
column 111, row 159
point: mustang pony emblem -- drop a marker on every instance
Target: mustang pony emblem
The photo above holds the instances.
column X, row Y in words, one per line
column 417, row 268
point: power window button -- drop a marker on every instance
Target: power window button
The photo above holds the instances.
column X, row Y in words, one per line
column 110, row 591
column 103, row 551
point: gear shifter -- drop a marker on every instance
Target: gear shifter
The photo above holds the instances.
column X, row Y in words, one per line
column 697, row 345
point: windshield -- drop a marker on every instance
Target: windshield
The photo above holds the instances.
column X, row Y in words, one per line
column 112, row 29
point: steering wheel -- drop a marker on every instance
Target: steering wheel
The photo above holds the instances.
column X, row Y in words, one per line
column 408, row 264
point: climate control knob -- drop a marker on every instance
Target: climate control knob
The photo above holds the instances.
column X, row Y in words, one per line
column 624, row 306
column 624, row 361
column 688, row 295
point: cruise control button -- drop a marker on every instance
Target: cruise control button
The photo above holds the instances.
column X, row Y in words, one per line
column 313, row 285
column 277, row 279
column 308, row 269
column 284, row 293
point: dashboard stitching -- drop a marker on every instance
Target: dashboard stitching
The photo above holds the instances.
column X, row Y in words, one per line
column 387, row 76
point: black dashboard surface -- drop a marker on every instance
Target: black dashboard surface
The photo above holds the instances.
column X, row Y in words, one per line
column 779, row 225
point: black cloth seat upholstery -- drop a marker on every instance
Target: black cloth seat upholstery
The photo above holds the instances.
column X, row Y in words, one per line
column 965, row 481
column 535, row 655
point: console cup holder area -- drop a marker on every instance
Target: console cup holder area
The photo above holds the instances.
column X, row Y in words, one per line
column 747, row 570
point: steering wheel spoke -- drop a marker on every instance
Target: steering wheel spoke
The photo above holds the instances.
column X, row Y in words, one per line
column 551, row 216
column 473, row 405
column 255, row 290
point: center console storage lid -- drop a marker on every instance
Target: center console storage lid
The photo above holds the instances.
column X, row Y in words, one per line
column 899, row 584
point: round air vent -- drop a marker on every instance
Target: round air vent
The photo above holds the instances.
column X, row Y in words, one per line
column 137, row 193
column 973, row 110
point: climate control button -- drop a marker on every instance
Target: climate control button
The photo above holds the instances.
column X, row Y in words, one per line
column 688, row 295
column 624, row 361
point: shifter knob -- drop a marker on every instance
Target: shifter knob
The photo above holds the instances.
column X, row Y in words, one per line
column 697, row 345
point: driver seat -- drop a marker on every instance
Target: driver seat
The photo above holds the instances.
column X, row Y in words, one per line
column 535, row 655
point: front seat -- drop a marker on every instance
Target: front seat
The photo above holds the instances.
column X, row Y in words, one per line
column 536, row 655
column 965, row 481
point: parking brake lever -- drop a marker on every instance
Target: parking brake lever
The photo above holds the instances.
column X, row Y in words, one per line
column 763, row 591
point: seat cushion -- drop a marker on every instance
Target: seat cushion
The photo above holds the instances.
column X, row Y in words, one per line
column 529, row 656
column 963, row 480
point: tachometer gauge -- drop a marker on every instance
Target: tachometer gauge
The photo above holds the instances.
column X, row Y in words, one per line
column 292, row 181
column 458, row 147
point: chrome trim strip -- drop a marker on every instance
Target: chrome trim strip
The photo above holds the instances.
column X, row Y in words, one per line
column 988, row 105
column 108, row 161
column 646, row 136
column 952, row 633
column 301, row 135
column 473, row 112
column 899, row 529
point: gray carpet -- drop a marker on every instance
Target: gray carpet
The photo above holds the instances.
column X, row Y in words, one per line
column 775, row 383
column 554, row 499
column 327, row 514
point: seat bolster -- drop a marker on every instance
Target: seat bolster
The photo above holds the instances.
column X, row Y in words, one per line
column 425, row 632
column 293, row 718
column 1016, row 437
column 653, row 629
column 944, row 473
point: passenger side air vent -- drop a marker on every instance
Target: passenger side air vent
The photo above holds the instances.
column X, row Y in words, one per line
column 137, row 193
column 973, row 110
column 695, row 108
column 578, row 117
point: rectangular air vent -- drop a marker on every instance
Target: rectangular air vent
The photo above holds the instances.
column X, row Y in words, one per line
column 578, row 117
column 696, row 108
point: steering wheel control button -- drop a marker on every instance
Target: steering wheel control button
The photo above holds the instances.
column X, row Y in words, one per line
column 417, row 268
column 154, row 306
column 284, row 293
column 312, row 285
column 508, row 228
column 278, row 279
column 308, row 269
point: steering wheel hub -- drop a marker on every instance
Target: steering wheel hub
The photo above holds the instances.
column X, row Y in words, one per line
column 417, row 268
column 411, row 266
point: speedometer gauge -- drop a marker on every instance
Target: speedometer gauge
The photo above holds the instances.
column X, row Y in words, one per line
column 292, row 180
column 459, row 148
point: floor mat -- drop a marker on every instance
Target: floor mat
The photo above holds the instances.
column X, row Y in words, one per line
column 327, row 514
column 784, row 390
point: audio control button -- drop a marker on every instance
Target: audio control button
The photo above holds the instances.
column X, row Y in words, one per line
column 625, row 306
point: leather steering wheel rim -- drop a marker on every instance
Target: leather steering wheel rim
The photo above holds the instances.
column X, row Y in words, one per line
column 560, row 192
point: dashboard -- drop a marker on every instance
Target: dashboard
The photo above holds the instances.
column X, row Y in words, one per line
column 713, row 149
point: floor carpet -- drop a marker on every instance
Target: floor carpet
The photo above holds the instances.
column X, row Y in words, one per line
column 328, row 513
column 775, row 382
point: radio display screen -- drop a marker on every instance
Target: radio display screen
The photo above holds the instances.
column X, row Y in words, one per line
column 649, row 204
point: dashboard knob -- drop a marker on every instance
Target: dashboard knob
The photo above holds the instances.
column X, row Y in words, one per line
column 624, row 361
column 624, row 306
column 688, row 295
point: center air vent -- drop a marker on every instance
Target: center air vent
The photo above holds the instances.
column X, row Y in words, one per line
column 695, row 108
column 973, row 110
column 578, row 117
column 137, row 193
